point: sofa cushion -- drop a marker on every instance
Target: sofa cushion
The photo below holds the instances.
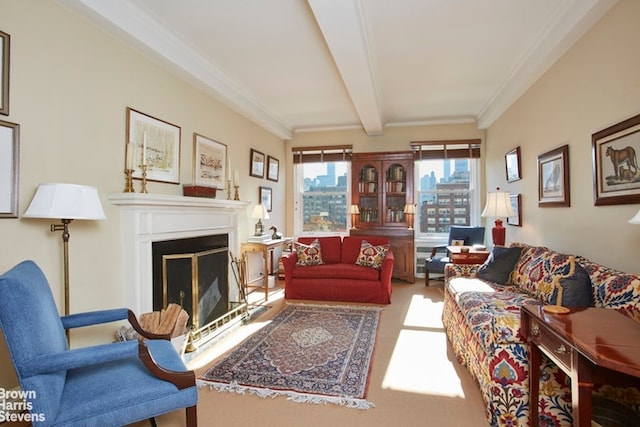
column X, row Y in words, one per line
column 308, row 254
column 498, row 267
column 331, row 247
column 351, row 246
column 337, row 271
column 494, row 317
column 539, row 270
column 372, row 256
column 613, row 288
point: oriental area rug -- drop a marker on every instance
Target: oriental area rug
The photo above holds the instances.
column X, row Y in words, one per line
column 309, row 353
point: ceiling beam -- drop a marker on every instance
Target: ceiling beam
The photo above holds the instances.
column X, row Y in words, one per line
column 343, row 27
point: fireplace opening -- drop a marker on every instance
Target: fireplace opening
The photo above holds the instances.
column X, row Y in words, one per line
column 192, row 272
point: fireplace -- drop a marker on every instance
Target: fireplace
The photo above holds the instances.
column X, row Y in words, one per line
column 194, row 274
column 147, row 219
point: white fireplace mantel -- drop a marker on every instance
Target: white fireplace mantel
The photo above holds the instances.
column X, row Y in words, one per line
column 148, row 218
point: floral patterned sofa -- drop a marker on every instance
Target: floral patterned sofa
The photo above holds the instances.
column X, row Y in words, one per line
column 482, row 321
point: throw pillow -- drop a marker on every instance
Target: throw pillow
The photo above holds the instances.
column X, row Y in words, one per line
column 575, row 290
column 498, row 267
column 308, row 254
column 372, row 256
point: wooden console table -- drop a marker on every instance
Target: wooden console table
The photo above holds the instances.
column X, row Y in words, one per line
column 266, row 248
column 591, row 345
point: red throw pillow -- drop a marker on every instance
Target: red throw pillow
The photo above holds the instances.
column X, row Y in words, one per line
column 372, row 256
column 308, row 254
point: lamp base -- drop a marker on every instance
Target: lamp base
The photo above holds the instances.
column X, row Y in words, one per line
column 498, row 232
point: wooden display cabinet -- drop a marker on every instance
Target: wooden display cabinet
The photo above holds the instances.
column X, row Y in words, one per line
column 382, row 184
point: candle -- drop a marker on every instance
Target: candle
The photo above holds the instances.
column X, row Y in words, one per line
column 236, row 178
column 229, row 168
column 144, row 148
column 129, row 162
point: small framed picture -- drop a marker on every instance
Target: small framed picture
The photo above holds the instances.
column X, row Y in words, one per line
column 512, row 164
column 265, row 197
column 256, row 168
column 273, row 168
column 616, row 179
column 553, row 178
column 9, row 169
column 209, row 162
column 516, row 205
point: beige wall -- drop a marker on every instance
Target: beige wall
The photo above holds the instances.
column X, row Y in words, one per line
column 70, row 85
column 595, row 85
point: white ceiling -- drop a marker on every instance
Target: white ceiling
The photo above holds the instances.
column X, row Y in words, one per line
column 302, row 65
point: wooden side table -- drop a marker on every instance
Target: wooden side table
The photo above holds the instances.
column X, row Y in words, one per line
column 473, row 256
column 266, row 249
column 591, row 345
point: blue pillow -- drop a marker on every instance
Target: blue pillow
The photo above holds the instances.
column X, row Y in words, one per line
column 576, row 290
column 498, row 267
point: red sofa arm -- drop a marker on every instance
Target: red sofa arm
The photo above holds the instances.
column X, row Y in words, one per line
column 289, row 262
column 387, row 270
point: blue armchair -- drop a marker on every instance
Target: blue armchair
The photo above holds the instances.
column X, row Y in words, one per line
column 439, row 254
column 102, row 385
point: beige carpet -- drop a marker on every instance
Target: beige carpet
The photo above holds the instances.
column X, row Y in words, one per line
column 415, row 380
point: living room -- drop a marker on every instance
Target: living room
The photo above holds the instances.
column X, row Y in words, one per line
column 71, row 82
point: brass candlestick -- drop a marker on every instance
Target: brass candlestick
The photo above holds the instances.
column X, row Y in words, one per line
column 236, row 196
column 228, row 189
column 144, row 178
column 128, row 188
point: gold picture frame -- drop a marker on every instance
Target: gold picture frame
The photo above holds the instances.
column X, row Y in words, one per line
column 553, row 178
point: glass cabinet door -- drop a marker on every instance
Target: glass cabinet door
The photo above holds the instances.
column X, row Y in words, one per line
column 395, row 193
column 368, row 186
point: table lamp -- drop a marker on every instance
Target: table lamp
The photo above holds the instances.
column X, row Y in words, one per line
column 354, row 211
column 498, row 205
column 409, row 212
column 259, row 213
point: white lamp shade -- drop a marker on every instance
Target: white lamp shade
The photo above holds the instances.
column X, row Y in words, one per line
column 410, row 209
column 65, row 201
column 498, row 205
column 635, row 219
column 354, row 210
column 259, row 212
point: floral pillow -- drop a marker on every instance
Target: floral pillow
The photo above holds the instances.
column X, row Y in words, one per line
column 308, row 254
column 372, row 256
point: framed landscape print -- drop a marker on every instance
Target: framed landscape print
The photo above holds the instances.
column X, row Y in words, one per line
column 257, row 163
column 512, row 164
column 155, row 143
column 9, row 167
column 616, row 178
column 209, row 162
column 553, row 178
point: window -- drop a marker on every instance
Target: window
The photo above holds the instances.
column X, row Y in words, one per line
column 447, row 177
column 322, row 189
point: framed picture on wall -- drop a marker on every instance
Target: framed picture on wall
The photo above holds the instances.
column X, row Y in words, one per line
column 5, row 40
column 273, row 168
column 512, row 164
column 209, row 162
column 616, row 178
column 156, row 144
column 265, row 197
column 9, row 167
column 257, row 162
column 516, row 205
column 553, row 178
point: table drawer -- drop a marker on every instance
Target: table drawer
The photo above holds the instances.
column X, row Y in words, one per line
column 553, row 345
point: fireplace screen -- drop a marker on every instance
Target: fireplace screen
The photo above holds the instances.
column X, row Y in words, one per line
column 198, row 282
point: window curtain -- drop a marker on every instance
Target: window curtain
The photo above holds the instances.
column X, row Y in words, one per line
column 334, row 153
column 444, row 150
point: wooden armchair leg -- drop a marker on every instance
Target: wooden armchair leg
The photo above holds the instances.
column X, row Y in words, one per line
column 192, row 417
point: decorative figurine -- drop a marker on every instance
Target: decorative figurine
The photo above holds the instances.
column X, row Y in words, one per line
column 275, row 234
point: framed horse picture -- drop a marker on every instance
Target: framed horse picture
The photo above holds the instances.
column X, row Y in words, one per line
column 616, row 177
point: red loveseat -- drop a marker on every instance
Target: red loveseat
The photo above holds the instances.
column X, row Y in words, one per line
column 339, row 278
